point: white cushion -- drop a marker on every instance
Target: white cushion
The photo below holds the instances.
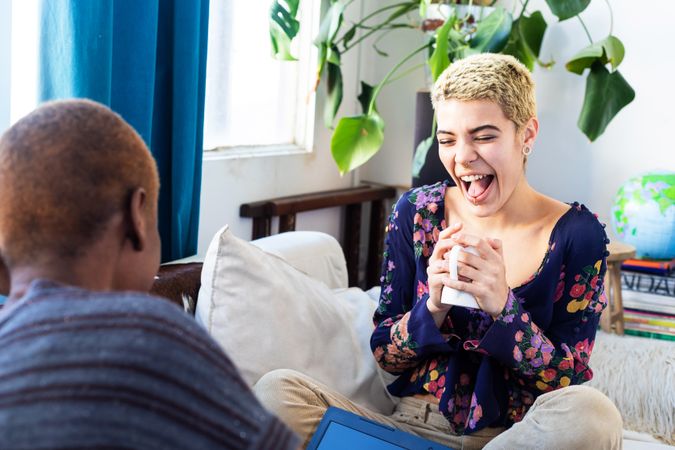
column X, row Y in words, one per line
column 268, row 315
column 317, row 254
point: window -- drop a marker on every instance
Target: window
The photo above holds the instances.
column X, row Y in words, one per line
column 254, row 103
column 19, row 58
column 5, row 44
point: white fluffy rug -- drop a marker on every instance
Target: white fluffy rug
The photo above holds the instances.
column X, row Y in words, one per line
column 638, row 374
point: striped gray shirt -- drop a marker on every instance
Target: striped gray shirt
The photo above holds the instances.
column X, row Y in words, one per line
column 82, row 369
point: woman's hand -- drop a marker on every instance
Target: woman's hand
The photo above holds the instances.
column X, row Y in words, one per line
column 486, row 272
column 438, row 274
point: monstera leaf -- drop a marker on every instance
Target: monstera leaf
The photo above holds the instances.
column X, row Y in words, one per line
column 606, row 94
column 330, row 24
column 492, row 33
column 366, row 96
column 609, row 50
column 525, row 40
column 439, row 59
column 355, row 140
column 421, row 152
column 334, row 86
column 283, row 28
column 565, row 9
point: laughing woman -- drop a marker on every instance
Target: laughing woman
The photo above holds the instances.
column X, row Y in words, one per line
column 506, row 374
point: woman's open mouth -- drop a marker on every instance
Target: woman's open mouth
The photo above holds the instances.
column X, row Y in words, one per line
column 476, row 187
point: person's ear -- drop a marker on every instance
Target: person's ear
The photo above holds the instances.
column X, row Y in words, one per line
column 137, row 219
column 530, row 132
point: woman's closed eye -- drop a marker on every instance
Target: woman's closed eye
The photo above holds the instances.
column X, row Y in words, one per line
column 482, row 138
column 485, row 138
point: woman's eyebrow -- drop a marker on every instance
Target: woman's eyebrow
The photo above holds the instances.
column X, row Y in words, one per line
column 473, row 130
column 485, row 127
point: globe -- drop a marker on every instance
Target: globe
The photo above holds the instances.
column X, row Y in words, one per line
column 643, row 214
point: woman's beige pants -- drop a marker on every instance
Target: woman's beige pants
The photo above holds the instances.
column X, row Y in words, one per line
column 575, row 417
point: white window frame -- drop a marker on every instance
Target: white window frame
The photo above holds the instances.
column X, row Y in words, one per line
column 5, row 63
column 24, row 57
column 309, row 15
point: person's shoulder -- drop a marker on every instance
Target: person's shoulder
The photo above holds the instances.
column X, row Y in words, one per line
column 422, row 197
column 143, row 300
column 427, row 197
column 146, row 306
column 581, row 220
column 582, row 229
column 78, row 317
column 45, row 299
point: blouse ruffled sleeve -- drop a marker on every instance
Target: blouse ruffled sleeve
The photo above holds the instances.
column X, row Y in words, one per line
column 405, row 333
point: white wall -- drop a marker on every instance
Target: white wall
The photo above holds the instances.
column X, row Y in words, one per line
column 227, row 183
column 564, row 164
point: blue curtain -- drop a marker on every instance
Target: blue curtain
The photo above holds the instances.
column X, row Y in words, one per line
column 146, row 60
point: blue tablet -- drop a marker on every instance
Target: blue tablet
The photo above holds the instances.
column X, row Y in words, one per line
column 340, row 429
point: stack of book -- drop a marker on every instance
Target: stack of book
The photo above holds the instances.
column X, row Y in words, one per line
column 648, row 292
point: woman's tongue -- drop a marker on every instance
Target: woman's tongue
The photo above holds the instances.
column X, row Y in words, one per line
column 477, row 187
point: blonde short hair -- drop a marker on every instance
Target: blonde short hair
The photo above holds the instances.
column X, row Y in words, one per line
column 489, row 76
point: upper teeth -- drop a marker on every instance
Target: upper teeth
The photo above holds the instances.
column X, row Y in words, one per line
column 469, row 178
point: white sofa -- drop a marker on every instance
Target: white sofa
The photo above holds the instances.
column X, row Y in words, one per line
column 283, row 302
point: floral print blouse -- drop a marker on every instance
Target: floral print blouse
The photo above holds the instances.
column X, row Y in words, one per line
column 485, row 371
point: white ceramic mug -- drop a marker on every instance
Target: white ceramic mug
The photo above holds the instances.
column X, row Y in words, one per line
column 450, row 296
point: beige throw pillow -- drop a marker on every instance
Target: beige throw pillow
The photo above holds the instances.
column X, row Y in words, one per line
column 268, row 315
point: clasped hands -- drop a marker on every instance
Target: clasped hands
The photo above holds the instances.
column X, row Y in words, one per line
column 482, row 275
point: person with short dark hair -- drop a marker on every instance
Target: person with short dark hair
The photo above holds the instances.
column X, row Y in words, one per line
column 87, row 358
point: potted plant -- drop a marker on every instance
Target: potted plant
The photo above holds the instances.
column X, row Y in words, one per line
column 459, row 32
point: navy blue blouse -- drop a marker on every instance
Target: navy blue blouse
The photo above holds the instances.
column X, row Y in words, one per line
column 485, row 371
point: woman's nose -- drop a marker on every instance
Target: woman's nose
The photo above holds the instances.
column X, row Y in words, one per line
column 465, row 154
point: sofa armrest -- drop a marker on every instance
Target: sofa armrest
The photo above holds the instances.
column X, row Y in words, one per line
column 317, row 254
column 179, row 283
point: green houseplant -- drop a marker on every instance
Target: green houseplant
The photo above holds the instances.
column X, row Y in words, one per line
column 519, row 33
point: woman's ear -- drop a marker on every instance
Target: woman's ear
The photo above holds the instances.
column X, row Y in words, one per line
column 137, row 218
column 530, row 132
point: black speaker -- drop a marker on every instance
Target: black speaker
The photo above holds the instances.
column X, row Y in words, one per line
column 432, row 170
